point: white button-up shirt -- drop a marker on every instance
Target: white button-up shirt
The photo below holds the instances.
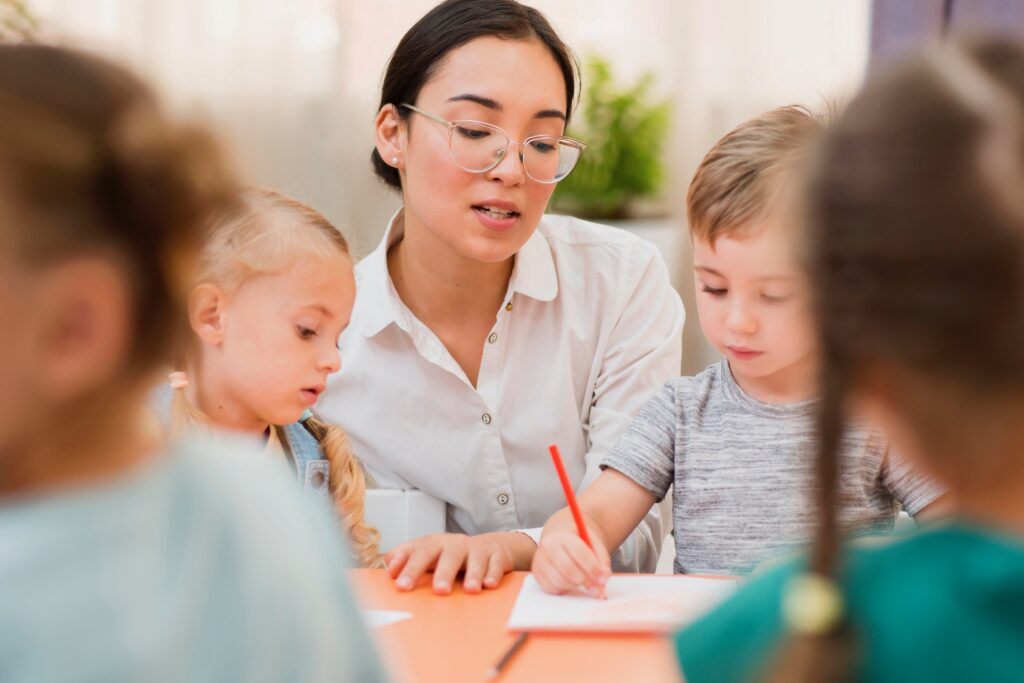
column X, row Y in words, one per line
column 589, row 330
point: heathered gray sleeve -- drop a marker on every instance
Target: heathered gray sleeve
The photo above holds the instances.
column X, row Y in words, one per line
column 912, row 488
column 646, row 450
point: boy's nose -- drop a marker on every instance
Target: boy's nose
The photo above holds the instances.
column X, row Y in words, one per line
column 741, row 321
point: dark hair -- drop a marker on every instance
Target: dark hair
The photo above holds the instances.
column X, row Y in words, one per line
column 916, row 254
column 448, row 26
column 88, row 161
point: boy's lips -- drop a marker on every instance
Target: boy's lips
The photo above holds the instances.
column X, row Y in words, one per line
column 743, row 353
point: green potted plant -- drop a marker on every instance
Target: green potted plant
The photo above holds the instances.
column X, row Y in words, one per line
column 624, row 131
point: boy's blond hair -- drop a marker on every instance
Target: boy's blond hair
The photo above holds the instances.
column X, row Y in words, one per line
column 739, row 179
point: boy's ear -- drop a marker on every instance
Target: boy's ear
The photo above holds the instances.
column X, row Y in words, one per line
column 206, row 306
column 85, row 324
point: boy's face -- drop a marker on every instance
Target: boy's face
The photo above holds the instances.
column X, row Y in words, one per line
column 752, row 301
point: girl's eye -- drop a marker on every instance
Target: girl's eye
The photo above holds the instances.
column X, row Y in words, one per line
column 715, row 292
column 305, row 332
column 775, row 299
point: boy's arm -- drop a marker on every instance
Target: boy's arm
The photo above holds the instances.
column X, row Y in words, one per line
column 611, row 507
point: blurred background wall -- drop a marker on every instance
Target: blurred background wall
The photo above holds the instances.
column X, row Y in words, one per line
column 293, row 84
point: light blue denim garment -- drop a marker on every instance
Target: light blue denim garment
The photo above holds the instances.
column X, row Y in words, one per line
column 311, row 468
column 203, row 564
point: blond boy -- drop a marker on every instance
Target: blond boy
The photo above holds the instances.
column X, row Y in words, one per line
column 737, row 440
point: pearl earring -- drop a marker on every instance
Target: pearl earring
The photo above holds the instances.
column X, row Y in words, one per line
column 394, row 161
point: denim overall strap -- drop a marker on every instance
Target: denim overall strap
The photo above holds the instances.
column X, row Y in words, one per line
column 311, row 467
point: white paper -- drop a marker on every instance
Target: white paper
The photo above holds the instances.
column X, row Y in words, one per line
column 375, row 618
column 635, row 604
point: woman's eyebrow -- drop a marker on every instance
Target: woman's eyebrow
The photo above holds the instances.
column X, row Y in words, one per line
column 496, row 106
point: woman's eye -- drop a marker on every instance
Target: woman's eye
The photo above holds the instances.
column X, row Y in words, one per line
column 774, row 299
column 472, row 133
column 541, row 146
column 715, row 291
column 306, row 333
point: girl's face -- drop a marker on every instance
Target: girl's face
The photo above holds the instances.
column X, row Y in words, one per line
column 278, row 339
column 513, row 84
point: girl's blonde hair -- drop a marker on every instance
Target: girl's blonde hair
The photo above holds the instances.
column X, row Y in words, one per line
column 246, row 242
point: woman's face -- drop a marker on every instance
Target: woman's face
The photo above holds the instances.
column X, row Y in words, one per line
column 513, row 84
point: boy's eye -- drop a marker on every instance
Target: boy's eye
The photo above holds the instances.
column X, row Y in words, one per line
column 713, row 291
column 305, row 332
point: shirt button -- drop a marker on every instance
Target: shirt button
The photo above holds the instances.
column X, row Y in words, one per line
column 493, row 338
column 508, row 306
column 502, row 499
column 486, row 417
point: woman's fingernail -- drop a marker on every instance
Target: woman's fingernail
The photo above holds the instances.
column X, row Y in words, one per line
column 442, row 586
column 472, row 585
column 404, row 582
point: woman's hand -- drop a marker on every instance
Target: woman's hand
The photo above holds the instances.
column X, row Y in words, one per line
column 484, row 559
column 564, row 562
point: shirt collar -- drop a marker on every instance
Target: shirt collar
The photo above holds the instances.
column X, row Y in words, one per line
column 375, row 291
column 533, row 275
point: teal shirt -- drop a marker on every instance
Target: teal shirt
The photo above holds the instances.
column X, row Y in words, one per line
column 198, row 565
column 946, row 604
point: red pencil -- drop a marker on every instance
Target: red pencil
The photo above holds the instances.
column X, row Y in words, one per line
column 570, row 498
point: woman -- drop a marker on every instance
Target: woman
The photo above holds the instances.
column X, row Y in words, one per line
column 484, row 330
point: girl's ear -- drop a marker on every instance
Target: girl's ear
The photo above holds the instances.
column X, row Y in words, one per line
column 85, row 327
column 390, row 136
column 206, row 307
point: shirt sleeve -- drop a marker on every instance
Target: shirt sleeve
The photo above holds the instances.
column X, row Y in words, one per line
column 646, row 451
column 911, row 487
column 644, row 350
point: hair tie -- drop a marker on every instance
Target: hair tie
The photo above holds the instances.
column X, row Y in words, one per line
column 177, row 380
column 812, row 604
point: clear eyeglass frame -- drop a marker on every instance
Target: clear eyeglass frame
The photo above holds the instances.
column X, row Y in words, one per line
column 571, row 146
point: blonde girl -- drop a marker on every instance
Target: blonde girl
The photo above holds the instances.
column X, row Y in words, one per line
column 274, row 291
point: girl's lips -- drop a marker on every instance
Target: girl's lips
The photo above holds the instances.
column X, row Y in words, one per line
column 492, row 222
column 741, row 353
column 310, row 395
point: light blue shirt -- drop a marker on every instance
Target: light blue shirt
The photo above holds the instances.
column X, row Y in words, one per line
column 199, row 565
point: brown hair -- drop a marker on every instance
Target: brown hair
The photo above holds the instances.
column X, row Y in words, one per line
column 916, row 253
column 246, row 241
column 89, row 161
column 739, row 179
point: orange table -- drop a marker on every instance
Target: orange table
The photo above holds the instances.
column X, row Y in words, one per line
column 456, row 638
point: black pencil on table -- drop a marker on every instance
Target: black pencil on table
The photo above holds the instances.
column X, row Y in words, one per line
column 496, row 670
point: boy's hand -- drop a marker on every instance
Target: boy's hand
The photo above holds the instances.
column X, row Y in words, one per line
column 564, row 562
column 485, row 559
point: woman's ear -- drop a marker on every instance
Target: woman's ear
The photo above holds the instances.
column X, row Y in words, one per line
column 84, row 330
column 390, row 136
column 206, row 307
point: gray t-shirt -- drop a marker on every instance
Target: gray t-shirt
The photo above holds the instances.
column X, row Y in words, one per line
column 744, row 477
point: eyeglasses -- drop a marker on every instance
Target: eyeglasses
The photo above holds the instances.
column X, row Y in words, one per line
column 478, row 147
